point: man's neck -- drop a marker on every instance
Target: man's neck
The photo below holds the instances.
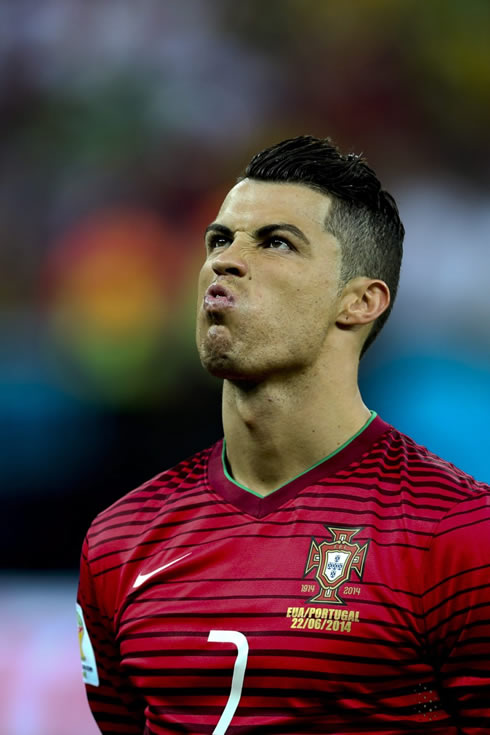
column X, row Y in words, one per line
column 277, row 429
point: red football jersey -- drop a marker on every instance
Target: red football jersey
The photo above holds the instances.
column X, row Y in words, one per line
column 354, row 599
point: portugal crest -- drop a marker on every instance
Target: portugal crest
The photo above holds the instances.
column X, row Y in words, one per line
column 334, row 562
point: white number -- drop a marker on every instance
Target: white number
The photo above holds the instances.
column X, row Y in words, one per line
column 238, row 640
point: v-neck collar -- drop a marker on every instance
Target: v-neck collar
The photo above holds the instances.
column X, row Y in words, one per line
column 258, row 506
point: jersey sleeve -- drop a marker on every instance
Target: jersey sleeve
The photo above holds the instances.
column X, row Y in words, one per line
column 115, row 706
column 457, row 611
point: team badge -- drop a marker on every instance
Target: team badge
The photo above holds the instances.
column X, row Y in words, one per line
column 334, row 562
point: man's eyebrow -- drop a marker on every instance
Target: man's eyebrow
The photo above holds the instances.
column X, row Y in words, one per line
column 261, row 231
column 222, row 229
column 269, row 229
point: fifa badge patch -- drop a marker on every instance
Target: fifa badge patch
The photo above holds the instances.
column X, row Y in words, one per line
column 87, row 655
column 334, row 561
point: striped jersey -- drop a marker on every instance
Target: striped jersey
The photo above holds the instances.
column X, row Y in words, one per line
column 354, row 599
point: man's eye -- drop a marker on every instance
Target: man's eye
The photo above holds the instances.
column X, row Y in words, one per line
column 217, row 241
column 278, row 243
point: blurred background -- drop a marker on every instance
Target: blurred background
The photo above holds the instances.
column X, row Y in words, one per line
column 122, row 127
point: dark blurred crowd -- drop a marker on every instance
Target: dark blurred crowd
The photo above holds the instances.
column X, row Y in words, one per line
column 122, row 127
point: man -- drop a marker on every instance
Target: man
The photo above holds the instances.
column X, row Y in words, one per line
column 316, row 571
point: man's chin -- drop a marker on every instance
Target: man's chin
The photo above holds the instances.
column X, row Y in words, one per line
column 215, row 351
column 221, row 366
column 220, row 356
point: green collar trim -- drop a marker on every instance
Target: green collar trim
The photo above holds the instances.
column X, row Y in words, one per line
column 329, row 456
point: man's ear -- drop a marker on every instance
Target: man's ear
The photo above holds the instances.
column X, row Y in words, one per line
column 362, row 302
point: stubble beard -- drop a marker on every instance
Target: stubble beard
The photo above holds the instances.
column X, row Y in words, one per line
column 223, row 358
column 244, row 357
column 215, row 351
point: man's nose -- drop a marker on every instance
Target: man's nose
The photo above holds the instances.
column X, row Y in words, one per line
column 230, row 261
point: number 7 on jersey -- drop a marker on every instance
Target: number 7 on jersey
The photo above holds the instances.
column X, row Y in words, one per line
column 241, row 643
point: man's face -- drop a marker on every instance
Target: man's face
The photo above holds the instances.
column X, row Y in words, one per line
column 268, row 290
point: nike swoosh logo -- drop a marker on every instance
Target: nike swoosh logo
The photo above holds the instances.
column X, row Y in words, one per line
column 143, row 577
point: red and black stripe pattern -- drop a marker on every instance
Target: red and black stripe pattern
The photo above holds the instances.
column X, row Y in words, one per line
column 355, row 599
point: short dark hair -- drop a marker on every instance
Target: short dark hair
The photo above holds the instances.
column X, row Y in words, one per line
column 364, row 218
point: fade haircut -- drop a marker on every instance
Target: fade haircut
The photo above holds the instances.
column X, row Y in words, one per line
column 363, row 217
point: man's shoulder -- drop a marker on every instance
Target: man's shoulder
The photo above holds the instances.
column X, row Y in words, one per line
column 420, row 466
column 147, row 499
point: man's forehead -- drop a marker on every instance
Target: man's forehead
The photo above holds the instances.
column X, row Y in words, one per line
column 252, row 203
